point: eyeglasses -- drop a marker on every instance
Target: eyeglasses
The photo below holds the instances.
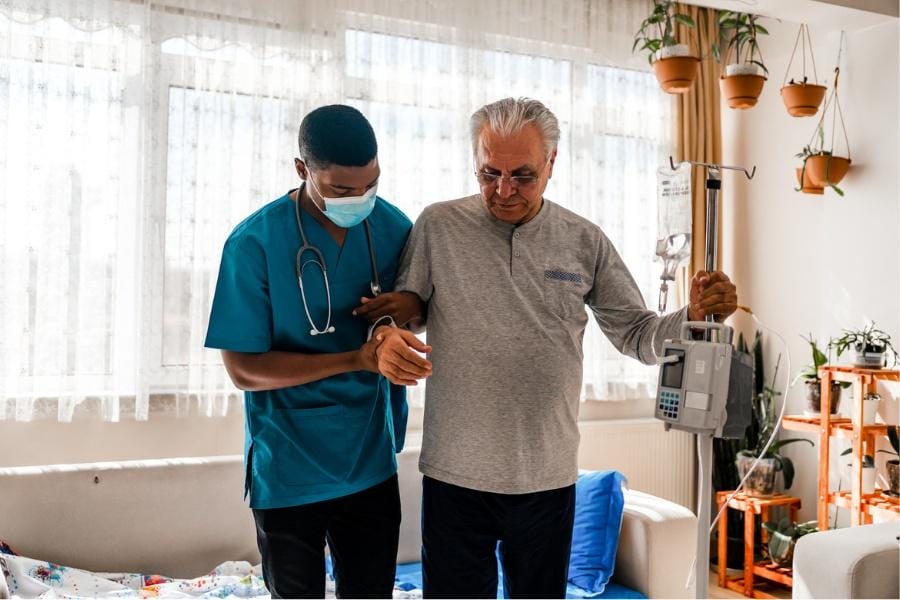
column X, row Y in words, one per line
column 516, row 181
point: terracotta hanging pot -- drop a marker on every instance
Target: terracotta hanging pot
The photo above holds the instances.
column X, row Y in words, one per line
column 676, row 74
column 807, row 186
column 835, row 166
column 802, row 99
column 741, row 91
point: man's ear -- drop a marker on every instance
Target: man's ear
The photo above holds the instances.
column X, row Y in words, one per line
column 552, row 162
column 300, row 167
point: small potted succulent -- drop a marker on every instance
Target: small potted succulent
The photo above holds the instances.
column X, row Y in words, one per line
column 893, row 465
column 871, row 346
column 743, row 80
column 672, row 62
column 783, row 537
column 810, row 375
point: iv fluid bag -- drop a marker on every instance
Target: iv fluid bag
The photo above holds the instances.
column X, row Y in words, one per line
column 673, row 239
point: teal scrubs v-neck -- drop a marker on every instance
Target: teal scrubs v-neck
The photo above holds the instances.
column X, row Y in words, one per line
column 332, row 437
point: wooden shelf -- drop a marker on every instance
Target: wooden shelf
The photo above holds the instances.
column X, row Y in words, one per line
column 871, row 504
column 841, row 427
column 747, row 584
column 863, row 438
column 809, row 424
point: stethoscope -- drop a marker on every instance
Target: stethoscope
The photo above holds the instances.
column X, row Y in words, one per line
column 319, row 261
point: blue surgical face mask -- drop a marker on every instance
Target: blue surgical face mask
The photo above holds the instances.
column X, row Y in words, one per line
column 347, row 211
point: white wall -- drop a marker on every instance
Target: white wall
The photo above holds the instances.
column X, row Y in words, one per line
column 817, row 264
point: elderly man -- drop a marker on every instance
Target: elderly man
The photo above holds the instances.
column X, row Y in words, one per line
column 506, row 275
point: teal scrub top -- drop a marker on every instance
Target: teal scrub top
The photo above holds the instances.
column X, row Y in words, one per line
column 332, row 437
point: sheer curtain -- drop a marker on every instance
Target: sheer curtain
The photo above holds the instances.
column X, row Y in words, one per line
column 135, row 134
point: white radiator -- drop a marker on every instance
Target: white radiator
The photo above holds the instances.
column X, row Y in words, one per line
column 654, row 461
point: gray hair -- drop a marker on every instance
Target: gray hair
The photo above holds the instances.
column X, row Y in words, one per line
column 508, row 116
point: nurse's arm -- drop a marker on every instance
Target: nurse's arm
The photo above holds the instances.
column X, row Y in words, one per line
column 274, row 370
column 406, row 308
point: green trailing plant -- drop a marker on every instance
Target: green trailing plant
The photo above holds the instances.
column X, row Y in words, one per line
column 817, row 149
column 791, row 529
column 658, row 30
column 739, row 32
column 766, row 414
column 867, row 339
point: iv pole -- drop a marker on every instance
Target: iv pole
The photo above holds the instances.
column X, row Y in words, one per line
column 705, row 440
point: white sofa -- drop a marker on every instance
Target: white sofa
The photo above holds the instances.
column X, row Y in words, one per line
column 181, row 517
column 854, row 562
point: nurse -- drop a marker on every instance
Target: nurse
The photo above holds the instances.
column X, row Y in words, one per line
column 322, row 426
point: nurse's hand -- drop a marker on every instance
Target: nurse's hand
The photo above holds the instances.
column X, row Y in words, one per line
column 398, row 355
column 404, row 307
column 366, row 359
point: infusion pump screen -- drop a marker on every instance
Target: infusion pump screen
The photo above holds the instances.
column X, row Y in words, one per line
column 673, row 372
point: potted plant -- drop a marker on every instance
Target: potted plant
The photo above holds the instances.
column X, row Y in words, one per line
column 893, row 465
column 871, row 346
column 743, row 80
column 801, row 96
column 761, row 481
column 783, row 537
column 672, row 62
column 820, row 168
column 824, row 165
column 868, row 471
column 810, row 375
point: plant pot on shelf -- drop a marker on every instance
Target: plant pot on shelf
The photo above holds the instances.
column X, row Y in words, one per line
column 814, row 396
column 741, row 85
column 761, row 482
column 807, row 185
column 781, row 549
column 824, row 169
column 870, row 408
column 802, row 99
column 675, row 68
column 893, row 470
column 868, row 359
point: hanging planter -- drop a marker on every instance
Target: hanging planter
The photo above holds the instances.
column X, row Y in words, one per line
column 822, row 166
column 674, row 66
column 806, row 183
column 802, row 97
column 742, row 83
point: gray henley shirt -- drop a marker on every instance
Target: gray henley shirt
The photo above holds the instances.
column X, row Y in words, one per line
column 506, row 321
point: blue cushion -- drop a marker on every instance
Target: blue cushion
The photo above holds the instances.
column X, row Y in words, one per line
column 595, row 538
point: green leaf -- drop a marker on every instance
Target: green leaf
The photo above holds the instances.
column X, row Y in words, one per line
column 762, row 30
column 788, row 472
column 685, row 20
column 779, row 444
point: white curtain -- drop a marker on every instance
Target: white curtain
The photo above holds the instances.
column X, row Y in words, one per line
column 134, row 135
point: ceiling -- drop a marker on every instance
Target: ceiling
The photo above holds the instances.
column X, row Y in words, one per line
column 825, row 14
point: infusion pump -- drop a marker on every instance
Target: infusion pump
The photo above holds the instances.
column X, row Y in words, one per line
column 705, row 386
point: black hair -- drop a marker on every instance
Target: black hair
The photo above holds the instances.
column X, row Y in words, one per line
column 336, row 135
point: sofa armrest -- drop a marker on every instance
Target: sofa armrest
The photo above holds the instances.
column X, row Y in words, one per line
column 855, row 562
column 656, row 547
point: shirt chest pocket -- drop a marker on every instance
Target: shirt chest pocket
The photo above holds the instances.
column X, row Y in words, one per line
column 563, row 291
